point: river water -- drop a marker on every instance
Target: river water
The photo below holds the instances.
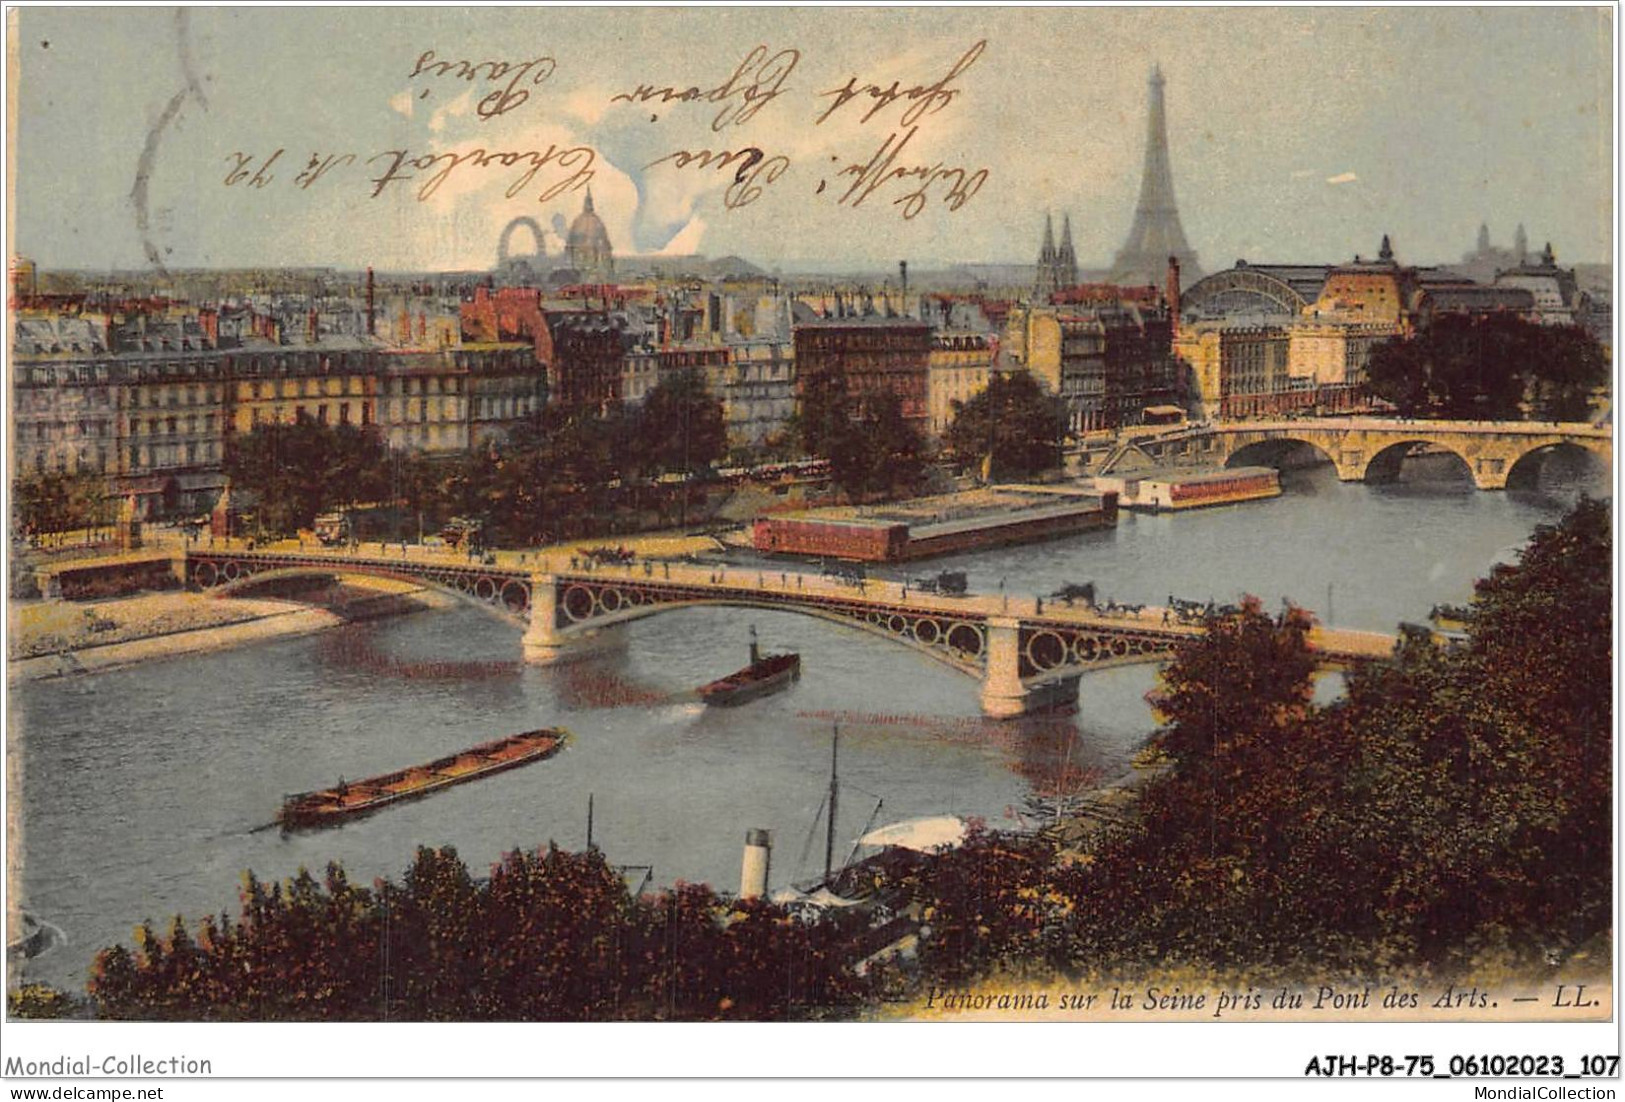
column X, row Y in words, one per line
column 141, row 788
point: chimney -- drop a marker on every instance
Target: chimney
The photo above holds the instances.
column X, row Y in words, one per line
column 1173, row 294
column 372, row 323
column 311, row 328
column 753, row 874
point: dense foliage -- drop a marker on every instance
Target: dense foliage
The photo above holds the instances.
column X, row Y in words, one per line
column 872, row 449
column 56, row 501
column 295, row 471
column 1498, row 367
column 679, row 427
column 551, row 479
column 1455, row 802
column 1013, row 427
column 549, row 936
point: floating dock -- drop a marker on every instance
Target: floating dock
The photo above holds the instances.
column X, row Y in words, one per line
column 940, row 525
column 1157, row 491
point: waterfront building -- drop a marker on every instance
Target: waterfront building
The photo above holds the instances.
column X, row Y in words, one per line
column 1333, row 353
column 424, row 401
column 961, row 363
column 759, row 395
column 146, row 395
column 505, row 389
column 583, row 351
column 1558, row 299
column 869, row 354
column 1106, row 362
column 1238, row 370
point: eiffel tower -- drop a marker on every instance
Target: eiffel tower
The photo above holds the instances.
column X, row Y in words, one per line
column 1156, row 234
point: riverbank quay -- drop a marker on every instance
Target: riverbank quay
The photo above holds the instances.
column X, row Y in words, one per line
column 50, row 639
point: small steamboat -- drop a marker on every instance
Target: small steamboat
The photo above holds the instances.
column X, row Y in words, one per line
column 761, row 677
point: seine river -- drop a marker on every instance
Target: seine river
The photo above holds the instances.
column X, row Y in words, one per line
column 142, row 788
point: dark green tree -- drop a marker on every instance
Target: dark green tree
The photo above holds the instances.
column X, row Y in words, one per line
column 298, row 470
column 679, row 427
column 871, row 447
column 57, row 501
column 1497, row 367
column 1014, row 428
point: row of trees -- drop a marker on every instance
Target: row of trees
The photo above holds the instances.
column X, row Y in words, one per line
column 572, row 466
column 59, row 501
column 1494, row 368
column 1455, row 803
column 550, row 936
column 541, row 483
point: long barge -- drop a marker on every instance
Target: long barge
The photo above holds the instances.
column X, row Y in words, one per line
column 347, row 799
column 948, row 524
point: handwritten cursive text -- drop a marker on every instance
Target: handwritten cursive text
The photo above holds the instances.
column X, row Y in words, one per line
column 576, row 160
column 924, row 99
column 756, row 170
column 755, row 83
column 881, row 169
column 503, row 99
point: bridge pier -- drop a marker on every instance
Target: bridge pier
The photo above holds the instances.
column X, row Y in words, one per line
column 542, row 642
column 1003, row 694
column 545, row 645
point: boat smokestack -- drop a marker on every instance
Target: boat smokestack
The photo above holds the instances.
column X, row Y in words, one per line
column 753, row 874
column 755, row 648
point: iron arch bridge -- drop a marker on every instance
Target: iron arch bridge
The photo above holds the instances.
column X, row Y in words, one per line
column 1027, row 653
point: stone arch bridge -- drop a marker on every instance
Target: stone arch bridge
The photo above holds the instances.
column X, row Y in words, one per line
column 1027, row 652
column 1368, row 448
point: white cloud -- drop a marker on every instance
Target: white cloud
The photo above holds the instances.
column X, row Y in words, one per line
column 687, row 241
column 1342, row 178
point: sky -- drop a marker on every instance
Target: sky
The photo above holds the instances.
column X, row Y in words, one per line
column 1297, row 135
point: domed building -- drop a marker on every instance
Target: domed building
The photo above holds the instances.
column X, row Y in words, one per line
column 587, row 247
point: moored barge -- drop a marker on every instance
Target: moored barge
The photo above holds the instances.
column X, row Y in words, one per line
column 1157, row 491
column 348, row 799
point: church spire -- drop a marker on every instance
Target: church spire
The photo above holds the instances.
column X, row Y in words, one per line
column 587, row 208
column 1066, row 261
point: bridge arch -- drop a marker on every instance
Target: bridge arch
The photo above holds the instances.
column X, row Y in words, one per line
column 508, row 598
column 1523, row 472
column 1386, row 463
column 1274, row 451
column 958, row 642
